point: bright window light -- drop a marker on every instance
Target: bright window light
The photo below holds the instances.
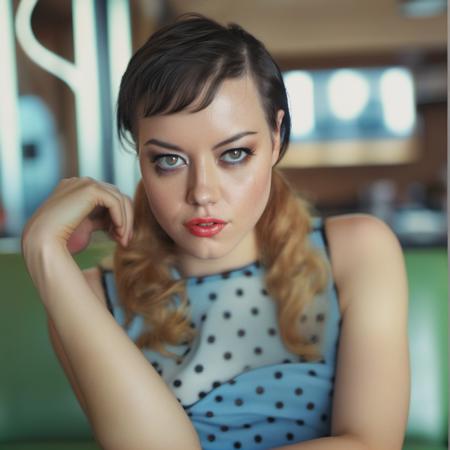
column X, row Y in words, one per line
column 300, row 89
column 397, row 98
column 348, row 93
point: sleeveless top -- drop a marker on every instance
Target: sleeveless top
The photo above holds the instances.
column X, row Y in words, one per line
column 239, row 384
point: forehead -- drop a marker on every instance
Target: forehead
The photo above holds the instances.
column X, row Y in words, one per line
column 235, row 107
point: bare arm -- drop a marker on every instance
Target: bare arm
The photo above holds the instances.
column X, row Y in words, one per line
column 92, row 277
column 372, row 388
column 127, row 403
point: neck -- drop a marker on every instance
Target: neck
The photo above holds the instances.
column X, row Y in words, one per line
column 243, row 254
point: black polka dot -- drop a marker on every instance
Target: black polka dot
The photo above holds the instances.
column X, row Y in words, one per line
column 177, row 383
column 258, row 438
column 271, row 419
column 313, row 373
column 216, row 384
column 241, row 333
column 314, row 339
column 260, row 390
column 239, row 402
column 247, row 367
column 226, row 314
column 257, row 350
column 248, row 273
column 203, row 318
column 160, row 371
column 298, row 391
column 224, row 428
column 272, row 331
column 211, row 437
column 199, row 280
column 212, row 296
column 286, row 361
column 192, row 325
column 254, row 311
column 198, row 368
column 323, row 417
column 227, row 355
column 279, row 405
column 289, row 436
column 218, row 398
column 239, row 292
column 225, row 275
column 320, row 317
column 189, row 414
column 201, row 394
column 209, row 414
column 232, row 382
column 303, row 318
column 264, row 292
column 187, row 351
column 155, row 364
column 278, row 375
column 237, row 444
column 211, row 339
column 300, row 422
column 246, row 425
column 310, row 406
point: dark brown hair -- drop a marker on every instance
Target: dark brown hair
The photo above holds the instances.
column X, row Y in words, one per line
column 187, row 61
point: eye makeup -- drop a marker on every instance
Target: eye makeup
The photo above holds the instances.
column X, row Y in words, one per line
column 243, row 155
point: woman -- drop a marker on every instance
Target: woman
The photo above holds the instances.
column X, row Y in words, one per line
column 265, row 328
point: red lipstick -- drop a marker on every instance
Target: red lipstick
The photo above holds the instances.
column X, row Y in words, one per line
column 205, row 226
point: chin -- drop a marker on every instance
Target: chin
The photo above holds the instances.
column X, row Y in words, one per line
column 205, row 252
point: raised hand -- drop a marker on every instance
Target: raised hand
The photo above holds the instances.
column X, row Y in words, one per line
column 76, row 208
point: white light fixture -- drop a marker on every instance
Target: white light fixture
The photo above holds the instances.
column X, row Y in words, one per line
column 397, row 99
column 348, row 94
column 300, row 90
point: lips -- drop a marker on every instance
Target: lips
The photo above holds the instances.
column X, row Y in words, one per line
column 205, row 226
column 204, row 220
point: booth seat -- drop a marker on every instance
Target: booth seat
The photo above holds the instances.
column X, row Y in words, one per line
column 39, row 411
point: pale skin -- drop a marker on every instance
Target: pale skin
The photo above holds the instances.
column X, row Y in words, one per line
column 115, row 385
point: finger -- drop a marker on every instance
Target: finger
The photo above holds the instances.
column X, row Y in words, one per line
column 111, row 201
column 120, row 198
column 130, row 217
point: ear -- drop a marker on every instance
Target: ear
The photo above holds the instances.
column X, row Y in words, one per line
column 277, row 137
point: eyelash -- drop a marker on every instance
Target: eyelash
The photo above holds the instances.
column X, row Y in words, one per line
column 247, row 151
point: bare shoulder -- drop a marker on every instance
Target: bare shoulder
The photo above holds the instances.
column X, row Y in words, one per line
column 372, row 387
column 361, row 247
column 93, row 277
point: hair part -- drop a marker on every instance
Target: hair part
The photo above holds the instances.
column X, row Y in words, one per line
column 182, row 65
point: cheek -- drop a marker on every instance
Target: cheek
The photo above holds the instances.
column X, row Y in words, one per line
column 159, row 201
column 252, row 195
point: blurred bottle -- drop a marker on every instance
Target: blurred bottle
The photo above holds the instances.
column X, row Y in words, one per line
column 379, row 199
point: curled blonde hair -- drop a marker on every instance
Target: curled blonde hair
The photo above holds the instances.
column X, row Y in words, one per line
column 294, row 273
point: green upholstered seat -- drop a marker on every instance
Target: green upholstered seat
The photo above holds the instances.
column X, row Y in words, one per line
column 39, row 411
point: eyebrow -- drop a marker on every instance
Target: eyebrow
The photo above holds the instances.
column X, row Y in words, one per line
column 220, row 144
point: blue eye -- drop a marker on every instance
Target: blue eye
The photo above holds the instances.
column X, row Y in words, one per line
column 170, row 162
column 237, row 153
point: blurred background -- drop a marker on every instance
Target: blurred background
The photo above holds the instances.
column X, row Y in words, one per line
column 366, row 82
column 367, row 86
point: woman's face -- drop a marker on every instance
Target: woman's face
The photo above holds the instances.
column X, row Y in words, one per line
column 214, row 163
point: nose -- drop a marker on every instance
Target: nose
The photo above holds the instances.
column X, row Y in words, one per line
column 203, row 184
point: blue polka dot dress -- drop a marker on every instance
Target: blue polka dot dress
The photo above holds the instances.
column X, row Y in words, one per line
column 239, row 384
